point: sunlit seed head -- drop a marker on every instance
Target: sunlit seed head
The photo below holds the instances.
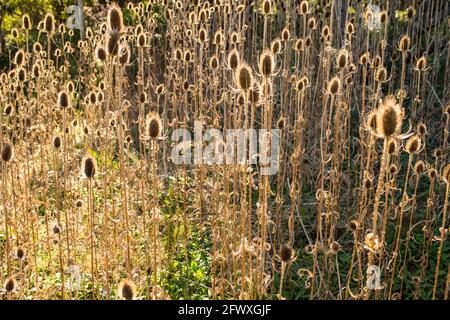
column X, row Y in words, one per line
column 276, row 46
column 381, row 74
column 88, row 167
column 334, row 86
column 389, row 117
column 115, row 18
column 421, row 64
column 393, row 169
column 154, row 126
column 10, row 284
column 112, row 43
column 405, row 43
column 413, row 144
column 303, row 7
column 7, row 152
column 266, row 7
column 266, row 63
column 286, row 253
column 63, row 100
column 49, row 23
column 419, row 167
column 127, row 290
column 342, row 59
column 392, row 146
column 244, row 77
column 57, row 142
column 26, row 22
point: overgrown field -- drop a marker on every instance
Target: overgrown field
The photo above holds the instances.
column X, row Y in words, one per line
column 345, row 195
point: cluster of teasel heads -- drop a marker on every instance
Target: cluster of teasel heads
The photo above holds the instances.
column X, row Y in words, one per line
column 363, row 176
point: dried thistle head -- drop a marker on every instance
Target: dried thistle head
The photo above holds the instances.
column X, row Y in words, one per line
column 286, row 253
column 88, row 166
column 267, row 63
column 404, row 43
column 276, row 46
column 389, row 117
column 266, row 7
column 127, row 290
column 244, row 77
column 419, row 167
column 63, row 100
column 57, row 142
column 334, row 86
column 342, row 58
column 115, row 18
column 7, row 152
column 49, row 23
column 153, row 126
column 233, row 59
column 413, row 144
column 112, row 43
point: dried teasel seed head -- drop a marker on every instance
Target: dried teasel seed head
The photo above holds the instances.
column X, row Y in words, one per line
column 267, row 63
column 335, row 247
column 342, row 59
column 303, row 7
column 78, row 203
column 421, row 63
column 334, row 86
column 285, row 34
column 286, row 253
column 413, row 144
column 312, row 24
column 26, row 22
column 364, row 59
column 233, row 59
column 20, row 253
column 381, row 74
column 421, row 129
column 244, row 77
column 389, row 117
column 49, row 23
column 112, row 43
column 214, row 63
column 127, row 290
column 7, row 152
column 392, row 146
column 10, row 284
column 19, row 58
column 88, row 166
column 384, row 17
column 367, row 183
column 393, row 169
column 419, row 167
column 100, row 54
column 266, row 7
column 57, row 142
column 353, row 225
column 63, row 100
column 437, row 153
column 56, row 229
column 153, row 126
column 404, row 43
column 432, row 173
column 115, row 18
column 276, row 46
column 410, row 13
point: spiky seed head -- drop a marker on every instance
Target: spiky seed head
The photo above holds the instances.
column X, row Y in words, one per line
column 389, row 117
column 410, row 13
column 57, row 142
column 419, row 167
column 124, row 54
column 404, row 43
column 312, row 24
column 384, row 17
column 8, row 109
column 112, row 43
column 413, row 144
column 19, row 57
column 56, row 229
column 281, row 123
column 63, row 100
column 141, row 40
column 266, row 7
column 10, row 284
column 393, row 169
column 49, row 23
column 26, row 22
column 160, row 89
column 154, row 126
column 127, row 290
column 20, row 253
column 299, row 45
column 233, row 59
column 364, row 59
column 187, row 56
column 325, row 31
column 276, row 46
column 286, row 253
column 78, row 203
column 432, row 173
column 285, row 34
column 349, row 28
column 115, row 18
column 381, row 74
column 392, row 146
column 421, row 63
column 304, row 8
column 437, row 153
column 376, row 62
column 267, row 63
column 88, row 166
column 7, row 152
column 21, row 75
column 334, row 85
column 244, row 77
column 335, row 247
column 342, row 59
column 367, row 183
column 100, row 54
column 353, row 225
column 255, row 95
